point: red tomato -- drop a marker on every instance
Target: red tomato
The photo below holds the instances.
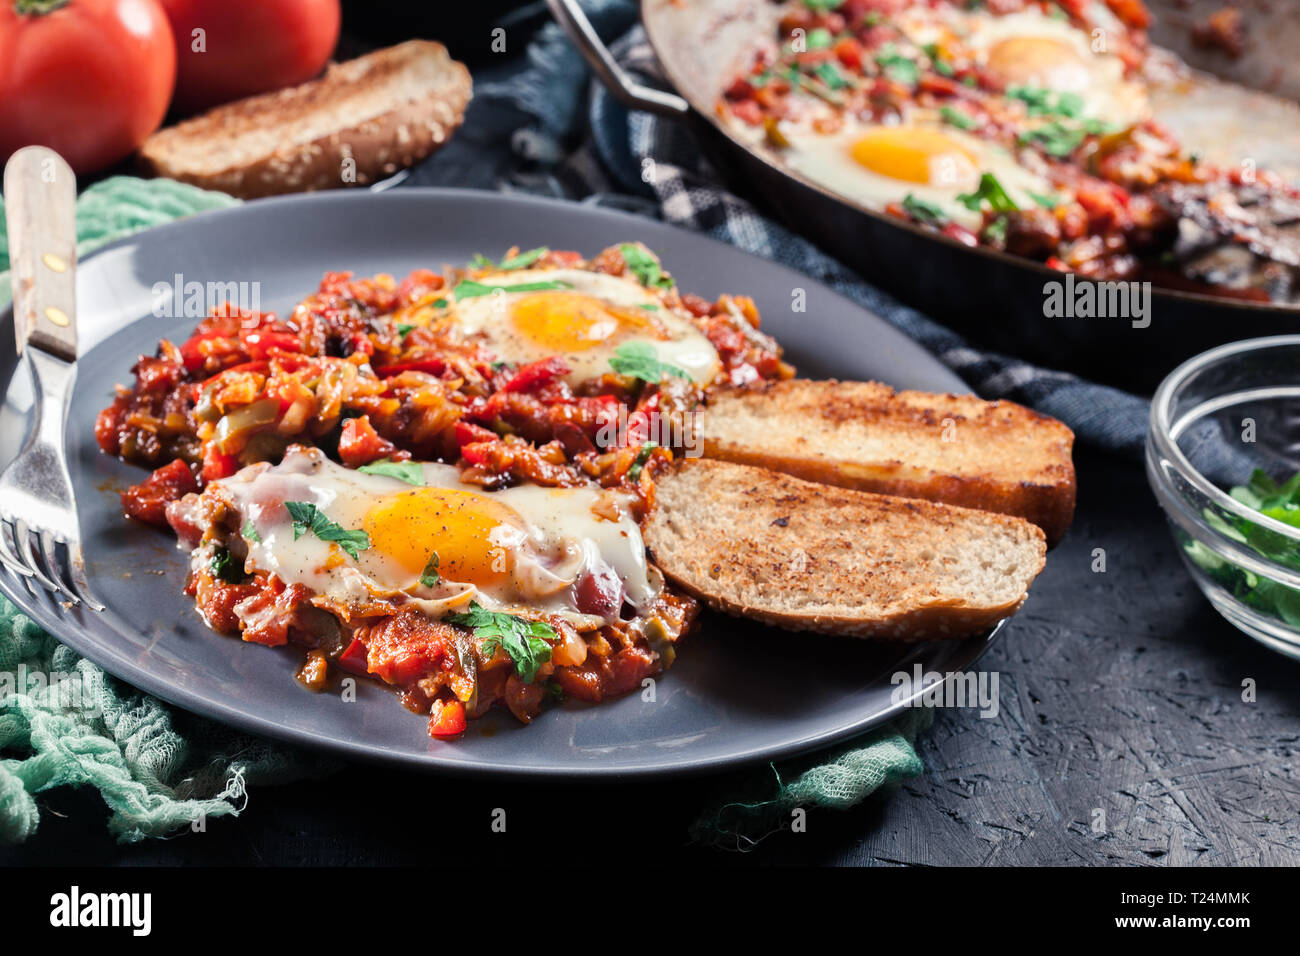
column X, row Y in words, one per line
column 89, row 78
column 247, row 46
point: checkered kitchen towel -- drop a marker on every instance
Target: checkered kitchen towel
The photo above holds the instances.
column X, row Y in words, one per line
column 606, row 168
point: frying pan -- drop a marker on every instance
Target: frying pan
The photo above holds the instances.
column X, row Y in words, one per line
column 994, row 298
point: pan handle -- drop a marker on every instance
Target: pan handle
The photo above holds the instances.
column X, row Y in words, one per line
column 568, row 13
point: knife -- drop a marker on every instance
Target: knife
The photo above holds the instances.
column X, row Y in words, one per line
column 40, row 211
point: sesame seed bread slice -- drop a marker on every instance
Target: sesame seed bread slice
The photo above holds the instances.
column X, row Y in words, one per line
column 362, row 121
column 812, row 557
column 958, row 449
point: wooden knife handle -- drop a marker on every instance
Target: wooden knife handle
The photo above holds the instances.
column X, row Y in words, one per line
column 40, row 210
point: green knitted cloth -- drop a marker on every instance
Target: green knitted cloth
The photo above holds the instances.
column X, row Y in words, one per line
column 119, row 206
column 159, row 771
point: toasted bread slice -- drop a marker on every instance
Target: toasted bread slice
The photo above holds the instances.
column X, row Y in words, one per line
column 958, row 449
column 363, row 120
column 812, row 557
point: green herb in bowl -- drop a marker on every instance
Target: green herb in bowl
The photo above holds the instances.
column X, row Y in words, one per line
column 1280, row 502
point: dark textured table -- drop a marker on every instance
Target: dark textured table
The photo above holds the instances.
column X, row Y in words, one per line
column 1122, row 736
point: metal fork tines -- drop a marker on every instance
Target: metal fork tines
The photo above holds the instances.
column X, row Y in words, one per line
column 39, row 535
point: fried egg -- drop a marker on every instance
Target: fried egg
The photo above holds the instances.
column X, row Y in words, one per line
column 441, row 543
column 879, row 165
column 1032, row 49
column 580, row 316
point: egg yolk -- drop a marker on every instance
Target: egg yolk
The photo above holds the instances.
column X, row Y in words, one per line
column 915, row 155
column 569, row 321
column 1038, row 61
column 472, row 534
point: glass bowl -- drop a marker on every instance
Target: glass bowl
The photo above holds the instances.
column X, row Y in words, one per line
column 1223, row 441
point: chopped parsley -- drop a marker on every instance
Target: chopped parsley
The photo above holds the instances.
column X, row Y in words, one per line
column 1061, row 139
column 996, row 231
column 407, row 471
column 823, row 6
column 642, row 457
column 1281, row 503
column 990, row 191
column 404, row 328
column 249, row 532
column 897, row 67
column 1051, row 202
column 523, row 260
column 480, row 261
column 645, row 267
column 830, row 74
column 430, row 577
column 819, row 39
column 469, row 289
column 957, row 118
column 923, row 211
column 1043, row 102
column 1054, row 138
column 941, row 66
column 224, row 566
column 639, row 360
column 308, row 518
column 525, row 641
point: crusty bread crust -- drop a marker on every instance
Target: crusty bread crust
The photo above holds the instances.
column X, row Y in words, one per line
column 812, row 557
column 384, row 111
column 958, row 449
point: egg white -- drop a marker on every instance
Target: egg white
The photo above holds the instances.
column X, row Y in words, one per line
column 553, row 538
column 1098, row 79
column 489, row 320
column 829, row 160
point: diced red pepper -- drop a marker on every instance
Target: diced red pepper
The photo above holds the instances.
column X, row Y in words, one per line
column 536, row 374
column 604, row 413
column 418, row 284
column 217, row 464
column 939, row 85
column 849, row 52
column 260, row 343
column 156, row 375
column 477, row 453
column 628, row 668
column 557, row 257
column 360, row 444
column 353, row 658
column 148, row 500
column 446, row 719
column 468, row 433
column 261, row 365
column 434, row 366
column 191, row 351
column 748, row 111
column 963, row 235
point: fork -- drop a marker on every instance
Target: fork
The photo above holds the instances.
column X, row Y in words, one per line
column 40, row 538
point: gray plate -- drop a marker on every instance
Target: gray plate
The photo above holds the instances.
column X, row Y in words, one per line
column 738, row 692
